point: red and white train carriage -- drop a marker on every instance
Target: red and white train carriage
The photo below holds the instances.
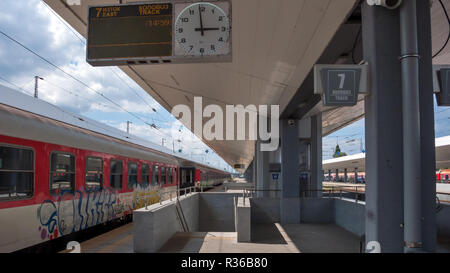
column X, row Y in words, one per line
column 57, row 179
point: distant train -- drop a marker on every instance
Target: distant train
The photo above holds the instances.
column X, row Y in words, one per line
column 442, row 176
column 57, row 179
column 361, row 178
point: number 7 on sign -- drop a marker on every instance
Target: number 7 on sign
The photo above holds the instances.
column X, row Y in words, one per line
column 342, row 77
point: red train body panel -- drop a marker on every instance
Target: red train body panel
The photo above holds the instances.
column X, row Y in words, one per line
column 73, row 180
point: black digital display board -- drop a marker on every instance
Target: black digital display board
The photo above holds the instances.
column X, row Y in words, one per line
column 127, row 32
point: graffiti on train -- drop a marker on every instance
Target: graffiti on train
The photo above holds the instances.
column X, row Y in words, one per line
column 74, row 211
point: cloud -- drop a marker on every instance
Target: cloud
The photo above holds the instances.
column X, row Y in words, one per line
column 35, row 26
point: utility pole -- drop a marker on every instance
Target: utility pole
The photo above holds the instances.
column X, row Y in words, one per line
column 36, row 88
column 128, row 126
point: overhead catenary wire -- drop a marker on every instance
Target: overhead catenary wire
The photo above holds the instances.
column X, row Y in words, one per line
column 140, row 97
column 81, row 97
column 82, row 83
column 76, row 79
column 64, row 23
column 77, row 95
column 72, row 77
column 61, row 109
column 15, row 85
column 83, row 42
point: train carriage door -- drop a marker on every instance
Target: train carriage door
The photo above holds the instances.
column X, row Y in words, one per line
column 183, row 177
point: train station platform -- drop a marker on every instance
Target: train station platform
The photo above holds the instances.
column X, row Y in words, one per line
column 267, row 238
column 318, row 51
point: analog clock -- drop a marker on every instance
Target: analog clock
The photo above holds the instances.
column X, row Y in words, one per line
column 202, row 29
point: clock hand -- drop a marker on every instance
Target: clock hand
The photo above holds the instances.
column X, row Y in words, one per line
column 206, row 29
column 201, row 21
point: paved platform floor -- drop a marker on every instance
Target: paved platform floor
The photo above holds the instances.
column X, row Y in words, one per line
column 119, row 240
column 270, row 238
column 267, row 238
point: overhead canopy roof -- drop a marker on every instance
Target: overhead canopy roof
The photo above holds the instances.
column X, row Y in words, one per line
column 275, row 45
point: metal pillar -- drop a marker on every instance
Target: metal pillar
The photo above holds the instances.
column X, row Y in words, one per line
column 316, row 155
column 345, row 175
column 337, row 175
column 411, row 127
column 290, row 188
column 384, row 158
column 428, row 156
column 329, row 175
column 356, row 175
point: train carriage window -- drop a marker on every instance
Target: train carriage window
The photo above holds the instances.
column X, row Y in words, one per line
column 145, row 174
column 94, row 173
column 163, row 176
column 132, row 174
column 155, row 173
column 116, row 174
column 170, row 176
column 16, row 173
column 62, row 172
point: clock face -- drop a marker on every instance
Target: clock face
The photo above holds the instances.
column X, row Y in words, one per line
column 203, row 29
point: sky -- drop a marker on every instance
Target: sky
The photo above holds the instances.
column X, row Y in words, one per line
column 51, row 37
column 45, row 33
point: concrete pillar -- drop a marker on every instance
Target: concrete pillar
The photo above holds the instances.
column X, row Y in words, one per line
column 255, row 166
column 243, row 223
column 290, row 189
column 263, row 175
column 316, row 155
column 428, row 157
column 384, row 158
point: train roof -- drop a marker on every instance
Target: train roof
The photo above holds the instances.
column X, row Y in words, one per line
column 17, row 103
